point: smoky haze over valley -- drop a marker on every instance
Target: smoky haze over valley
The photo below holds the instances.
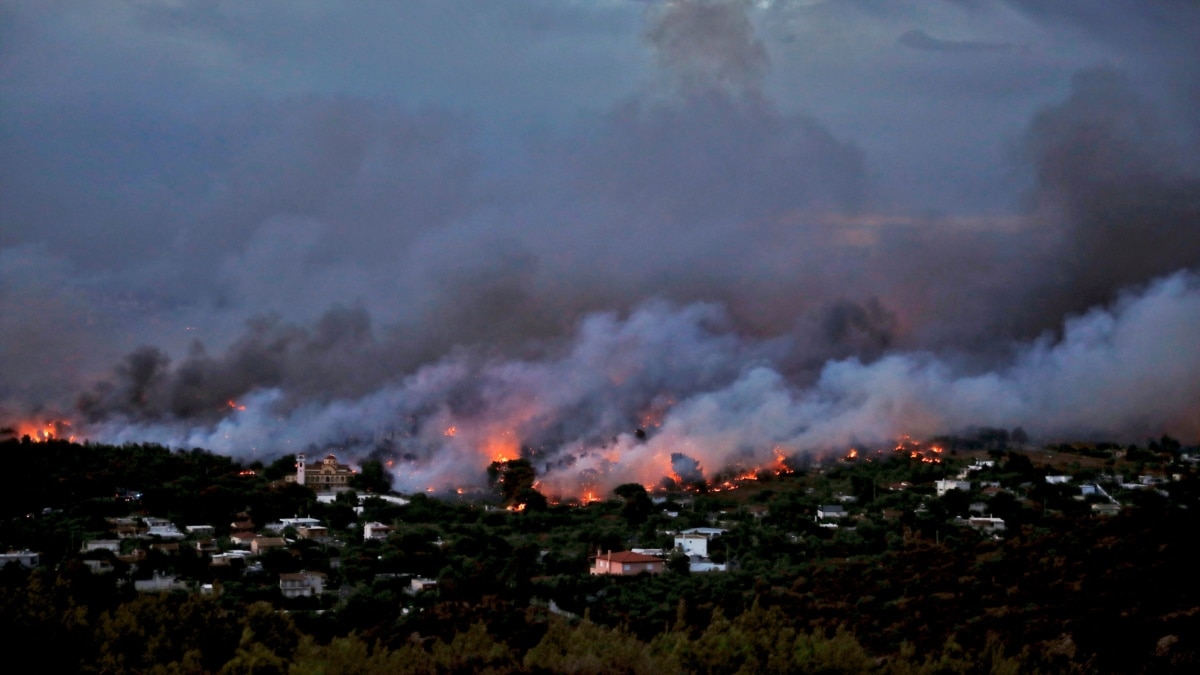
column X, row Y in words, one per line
column 447, row 231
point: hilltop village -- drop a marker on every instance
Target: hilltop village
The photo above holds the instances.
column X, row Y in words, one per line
column 973, row 554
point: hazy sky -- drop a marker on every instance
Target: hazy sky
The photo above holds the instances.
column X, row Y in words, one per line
column 326, row 207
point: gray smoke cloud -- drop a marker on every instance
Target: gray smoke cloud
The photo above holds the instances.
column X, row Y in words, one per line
column 448, row 268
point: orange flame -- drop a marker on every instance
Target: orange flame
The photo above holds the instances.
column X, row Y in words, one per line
column 42, row 432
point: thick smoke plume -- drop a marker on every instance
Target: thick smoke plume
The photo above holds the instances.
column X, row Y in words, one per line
column 705, row 271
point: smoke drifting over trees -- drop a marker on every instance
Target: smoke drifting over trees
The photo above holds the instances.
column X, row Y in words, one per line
column 374, row 254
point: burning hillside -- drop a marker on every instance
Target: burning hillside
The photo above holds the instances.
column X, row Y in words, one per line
column 676, row 274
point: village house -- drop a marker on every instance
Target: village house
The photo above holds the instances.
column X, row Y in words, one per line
column 314, row 533
column 985, row 524
column 205, row 546
column 160, row 583
column 692, row 545
column 296, row 523
column 301, row 584
column 113, row 545
column 831, row 511
column 377, row 531
column 23, row 558
column 626, row 563
column 163, row 528
column 419, row 584
column 242, row 539
column 944, row 486
column 263, row 544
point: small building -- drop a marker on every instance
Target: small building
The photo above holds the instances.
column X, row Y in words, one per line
column 163, row 528
column 709, row 532
column 831, row 511
column 201, row 530
column 985, row 524
column 113, row 545
column 1058, row 480
column 692, row 545
column 263, row 544
column 944, row 486
column 23, row 558
column 419, row 584
column 295, row 523
column 159, row 583
column 302, row 584
column 377, row 531
column 626, row 563
column 242, row 539
column 315, row 533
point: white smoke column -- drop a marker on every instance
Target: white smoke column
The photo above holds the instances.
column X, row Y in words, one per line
column 1125, row 373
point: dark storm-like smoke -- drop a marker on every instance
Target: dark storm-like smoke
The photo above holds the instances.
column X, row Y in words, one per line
column 701, row 266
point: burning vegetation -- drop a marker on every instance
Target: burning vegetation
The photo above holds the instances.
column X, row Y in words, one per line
column 39, row 432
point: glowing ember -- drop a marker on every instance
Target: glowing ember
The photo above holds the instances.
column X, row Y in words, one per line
column 232, row 405
column 450, row 432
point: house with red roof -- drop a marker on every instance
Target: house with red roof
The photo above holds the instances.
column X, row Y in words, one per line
column 626, row 563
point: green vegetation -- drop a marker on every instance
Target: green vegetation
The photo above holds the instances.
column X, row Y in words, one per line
column 901, row 586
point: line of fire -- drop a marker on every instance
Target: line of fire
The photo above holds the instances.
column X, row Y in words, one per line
column 518, row 470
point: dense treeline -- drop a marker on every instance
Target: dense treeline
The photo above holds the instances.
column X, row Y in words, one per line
column 904, row 590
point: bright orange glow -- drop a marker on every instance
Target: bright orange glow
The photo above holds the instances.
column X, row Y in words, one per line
column 234, row 406
column 919, row 451
column 450, row 432
column 41, row 432
column 502, row 447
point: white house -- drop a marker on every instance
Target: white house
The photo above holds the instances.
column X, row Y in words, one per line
column 24, row 558
column 709, row 532
column 419, row 584
column 302, row 584
column 986, row 524
column 377, row 531
column 944, row 486
column 161, row 527
column 113, row 545
column 297, row 523
column 692, row 544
